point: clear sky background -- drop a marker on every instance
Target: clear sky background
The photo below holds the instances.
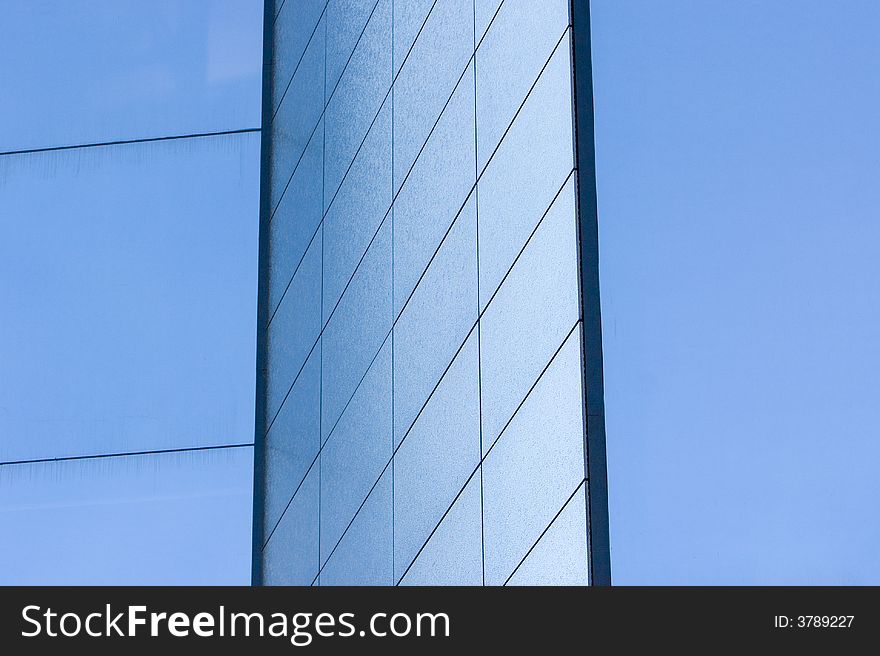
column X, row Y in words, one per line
column 738, row 148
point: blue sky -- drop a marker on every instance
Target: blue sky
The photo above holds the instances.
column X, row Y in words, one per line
column 737, row 154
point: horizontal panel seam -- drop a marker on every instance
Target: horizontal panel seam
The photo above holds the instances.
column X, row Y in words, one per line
column 127, row 454
column 126, row 142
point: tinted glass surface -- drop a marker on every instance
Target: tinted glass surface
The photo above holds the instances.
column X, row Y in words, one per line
column 126, row 69
column 128, row 293
column 433, row 422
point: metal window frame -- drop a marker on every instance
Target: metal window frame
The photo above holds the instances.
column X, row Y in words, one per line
column 591, row 317
column 263, row 297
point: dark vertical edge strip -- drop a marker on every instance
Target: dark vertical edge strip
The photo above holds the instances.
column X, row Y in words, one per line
column 588, row 227
column 262, row 297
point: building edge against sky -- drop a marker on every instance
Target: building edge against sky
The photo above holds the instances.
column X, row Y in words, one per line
column 396, row 425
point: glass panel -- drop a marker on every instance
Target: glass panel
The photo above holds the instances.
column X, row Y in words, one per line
column 292, row 443
column 297, row 118
column 436, row 320
column 357, row 98
column 409, row 17
column 534, row 310
column 357, row 329
column 560, row 556
column 143, row 256
column 454, row 554
column 526, row 173
column 536, row 465
column 125, row 69
column 509, row 61
column 291, row 555
column 294, row 223
column 737, row 175
column 437, row 456
column 294, row 329
column 357, row 450
column 158, row 519
column 363, row 557
column 484, row 12
column 295, row 26
column 358, row 209
column 418, row 263
column 424, row 208
column 426, row 81
column 347, row 20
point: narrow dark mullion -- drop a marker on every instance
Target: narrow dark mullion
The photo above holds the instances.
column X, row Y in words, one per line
column 588, row 227
column 127, row 142
column 262, row 298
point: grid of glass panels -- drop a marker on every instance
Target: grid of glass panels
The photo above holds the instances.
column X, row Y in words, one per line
column 424, row 403
column 129, row 192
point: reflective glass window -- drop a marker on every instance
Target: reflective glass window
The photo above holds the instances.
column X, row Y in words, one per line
column 126, row 69
column 436, row 320
column 509, row 60
column 530, row 316
column 356, row 452
column 429, row 75
column 363, row 556
column 437, row 456
column 424, row 209
column 290, row 557
column 129, row 297
column 156, row 519
column 357, row 98
column 294, row 328
column 453, row 555
column 357, row 210
column 526, row 173
column 536, row 465
column 560, row 556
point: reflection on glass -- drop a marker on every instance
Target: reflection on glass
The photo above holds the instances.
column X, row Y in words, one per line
column 436, row 62
column 436, row 320
column 119, row 70
column 438, row 455
column 407, row 364
column 363, row 556
column 454, row 554
column 356, row 451
column 159, row 519
column 528, row 478
column 130, row 324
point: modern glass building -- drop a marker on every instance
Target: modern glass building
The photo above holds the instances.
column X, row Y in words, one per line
column 374, row 226
column 429, row 406
column 129, row 195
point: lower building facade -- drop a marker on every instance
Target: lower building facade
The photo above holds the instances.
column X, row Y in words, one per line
column 429, row 401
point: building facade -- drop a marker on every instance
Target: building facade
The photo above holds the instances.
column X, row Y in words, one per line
column 129, row 195
column 429, row 403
